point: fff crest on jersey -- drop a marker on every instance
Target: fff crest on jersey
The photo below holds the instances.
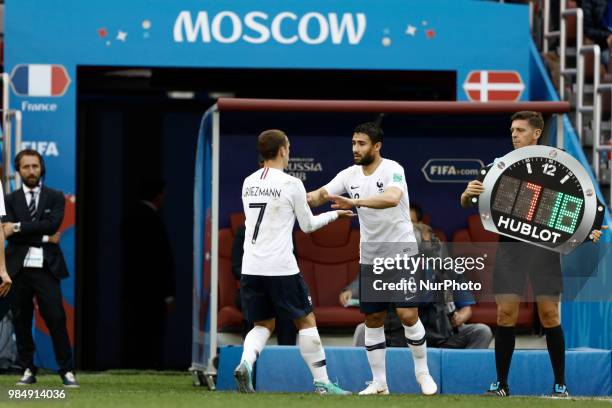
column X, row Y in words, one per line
column 540, row 195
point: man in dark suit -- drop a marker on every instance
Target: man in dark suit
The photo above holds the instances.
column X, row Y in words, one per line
column 36, row 264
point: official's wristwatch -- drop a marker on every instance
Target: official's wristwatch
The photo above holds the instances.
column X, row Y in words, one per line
column 17, row 227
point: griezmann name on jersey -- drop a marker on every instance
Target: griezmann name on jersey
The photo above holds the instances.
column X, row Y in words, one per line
column 272, row 200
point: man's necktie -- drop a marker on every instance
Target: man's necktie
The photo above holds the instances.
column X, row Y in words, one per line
column 32, row 205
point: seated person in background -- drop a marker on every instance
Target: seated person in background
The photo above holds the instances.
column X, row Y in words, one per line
column 286, row 333
column 444, row 318
column 416, row 214
column 598, row 25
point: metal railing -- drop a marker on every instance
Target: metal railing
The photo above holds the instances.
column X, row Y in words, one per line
column 564, row 71
column 11, row 132
column 598, row 147
column 5, row 95
column 595, row 108
column 9, row 174
column 583, row 91
column 548, row 35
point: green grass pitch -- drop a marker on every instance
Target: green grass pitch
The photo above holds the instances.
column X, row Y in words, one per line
column 113, row 389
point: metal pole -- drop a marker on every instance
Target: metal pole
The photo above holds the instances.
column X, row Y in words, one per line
column 596, row 123
column 214, row 276
column 597, row 132
column 580, row 108
column 546, row 19
column 562, row 45
column 6, row 159
column 18, row 127
column 7, row 153
column 595, row 109
column 560, row 141
column 579, row 71
column 5, row 97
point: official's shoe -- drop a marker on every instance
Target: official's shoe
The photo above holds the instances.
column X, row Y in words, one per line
column 70, row 380
column 375, row 388
column 329, row 388
column 428, row 385
column 28, row 378
column 498, row 390
column 560, row 391
column 244, row 377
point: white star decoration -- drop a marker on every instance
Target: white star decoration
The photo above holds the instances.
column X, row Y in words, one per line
column 122, row 36
column 411, row 30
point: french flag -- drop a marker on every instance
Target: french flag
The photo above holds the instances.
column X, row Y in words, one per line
column 40, row 80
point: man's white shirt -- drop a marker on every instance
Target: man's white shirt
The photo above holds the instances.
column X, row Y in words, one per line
column 388, row 225
column 272, row 200
column 34, row 258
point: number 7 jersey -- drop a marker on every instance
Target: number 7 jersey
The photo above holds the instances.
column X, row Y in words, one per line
column 272, row 200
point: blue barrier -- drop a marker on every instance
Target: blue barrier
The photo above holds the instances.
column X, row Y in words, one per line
column 229, row 357
column 588, row 372
column 347, row 365
column 281, row 369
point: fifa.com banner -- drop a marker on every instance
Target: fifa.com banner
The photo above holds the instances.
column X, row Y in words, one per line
column 401, row 272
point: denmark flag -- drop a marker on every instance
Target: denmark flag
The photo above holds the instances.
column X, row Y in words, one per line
column 485, row 86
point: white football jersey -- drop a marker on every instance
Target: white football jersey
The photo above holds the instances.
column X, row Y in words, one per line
column 272, row 200
column 378, row 225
